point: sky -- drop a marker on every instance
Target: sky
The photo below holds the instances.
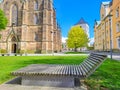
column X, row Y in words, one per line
column 69, row 12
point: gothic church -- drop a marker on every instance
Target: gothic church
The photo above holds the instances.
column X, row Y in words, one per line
column 32, row 27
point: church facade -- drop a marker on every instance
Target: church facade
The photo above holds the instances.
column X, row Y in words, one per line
column 32, row 27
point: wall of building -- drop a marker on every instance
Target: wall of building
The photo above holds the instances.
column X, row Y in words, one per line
column 36, row 29
column 102, row 29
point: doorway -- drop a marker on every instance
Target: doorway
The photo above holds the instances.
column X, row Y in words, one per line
column 14, row 48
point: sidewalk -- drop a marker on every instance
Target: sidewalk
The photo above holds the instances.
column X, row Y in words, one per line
column 19, row 87
column 115, row 57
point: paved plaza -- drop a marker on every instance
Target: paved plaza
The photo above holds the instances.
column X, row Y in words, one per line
column 19, row 87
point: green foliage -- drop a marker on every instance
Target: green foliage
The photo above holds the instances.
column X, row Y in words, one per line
column 0, row 36
column 38, row 51
column 3, row 51
column 90, row 48
column 77, row 37
column 22, row 51
column 30, row 51
column 3, row 20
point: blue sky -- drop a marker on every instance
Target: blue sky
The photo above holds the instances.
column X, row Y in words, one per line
column 69, row 12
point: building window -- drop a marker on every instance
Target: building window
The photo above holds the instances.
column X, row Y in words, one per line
column 102, row 16
column 118, row 27
column 35, row 5
column 35, row 19
column 14, row 14
column 117, row 12
column 119, row 42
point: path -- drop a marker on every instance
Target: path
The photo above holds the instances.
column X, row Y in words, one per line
column 19, row 87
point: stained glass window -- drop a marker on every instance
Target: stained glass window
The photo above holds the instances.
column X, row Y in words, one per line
column 14, row 15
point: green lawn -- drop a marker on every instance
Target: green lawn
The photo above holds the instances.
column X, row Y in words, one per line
column 108, row 75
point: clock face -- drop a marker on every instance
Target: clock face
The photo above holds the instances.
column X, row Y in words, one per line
column 1, row 1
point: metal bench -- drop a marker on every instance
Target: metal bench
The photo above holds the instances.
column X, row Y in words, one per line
column 59, row 75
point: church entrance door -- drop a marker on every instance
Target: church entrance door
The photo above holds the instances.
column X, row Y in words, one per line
column 14, row 48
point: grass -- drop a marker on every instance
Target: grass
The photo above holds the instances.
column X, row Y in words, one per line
column 8, row 64
column 75, row 53
column 107, row 76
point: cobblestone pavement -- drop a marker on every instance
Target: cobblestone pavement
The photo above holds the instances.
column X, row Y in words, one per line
column 19, row 87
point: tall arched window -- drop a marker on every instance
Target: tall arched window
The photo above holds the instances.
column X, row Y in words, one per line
column 35, row 19
column 14, row 14
column 35, row 5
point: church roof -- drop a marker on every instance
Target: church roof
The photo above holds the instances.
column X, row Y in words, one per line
column 81, row 21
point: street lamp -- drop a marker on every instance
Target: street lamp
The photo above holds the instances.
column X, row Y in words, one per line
column 110, row 35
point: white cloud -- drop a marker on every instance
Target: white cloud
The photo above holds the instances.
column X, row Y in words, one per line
column 91, row 40
column 64, row 39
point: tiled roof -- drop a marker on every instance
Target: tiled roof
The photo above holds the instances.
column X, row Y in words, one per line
column 81, row 21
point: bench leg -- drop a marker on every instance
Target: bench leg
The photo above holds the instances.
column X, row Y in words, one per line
column 77, row 82
column 55, row 81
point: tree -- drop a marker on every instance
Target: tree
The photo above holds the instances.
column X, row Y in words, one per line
column 77, row 38
column 3, row 21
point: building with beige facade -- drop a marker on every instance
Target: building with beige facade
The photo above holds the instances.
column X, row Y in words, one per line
column 32, row 27
column 107, row 30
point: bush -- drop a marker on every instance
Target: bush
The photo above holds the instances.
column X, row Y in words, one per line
column 38, row 51
column 30, row 51
column 55, row 51
column 22, row 51
column 3, row 51
column 90, row 48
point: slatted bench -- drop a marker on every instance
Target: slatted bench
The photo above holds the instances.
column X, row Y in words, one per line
column 59, row 75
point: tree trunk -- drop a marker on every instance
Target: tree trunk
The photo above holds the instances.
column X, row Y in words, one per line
column 75, row 49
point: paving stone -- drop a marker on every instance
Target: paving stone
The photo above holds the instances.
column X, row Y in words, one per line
column 20, row 87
